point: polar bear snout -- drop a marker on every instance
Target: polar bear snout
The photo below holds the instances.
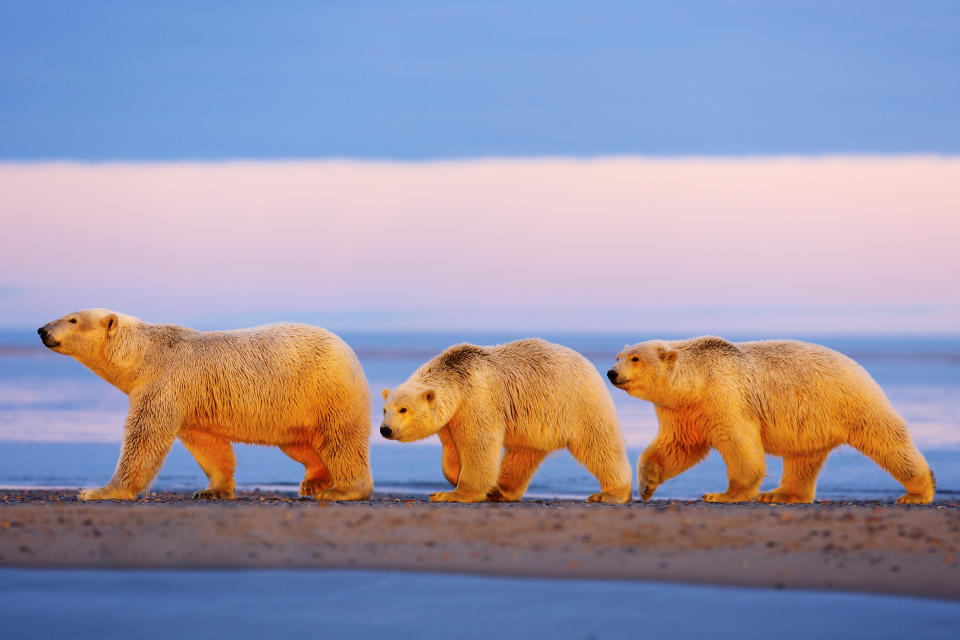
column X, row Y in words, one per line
column 615, row 378
column 386, row 432
column 46, row 338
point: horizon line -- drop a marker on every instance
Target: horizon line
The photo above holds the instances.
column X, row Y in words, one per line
column 479, row 159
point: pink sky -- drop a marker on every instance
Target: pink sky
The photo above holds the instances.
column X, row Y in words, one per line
column 768, row 245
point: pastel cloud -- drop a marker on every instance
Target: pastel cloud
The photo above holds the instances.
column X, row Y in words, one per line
column 496, row 243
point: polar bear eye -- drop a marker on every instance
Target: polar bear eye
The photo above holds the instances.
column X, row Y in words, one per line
column 72, row 321
column 403, row 410
column 634, row 359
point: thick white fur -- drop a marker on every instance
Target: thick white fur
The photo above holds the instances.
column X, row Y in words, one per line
column 294, row 386
column 525, row 399
column 782, row 397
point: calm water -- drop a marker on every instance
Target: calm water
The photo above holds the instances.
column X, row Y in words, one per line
column 381, row 604
column 60, row 425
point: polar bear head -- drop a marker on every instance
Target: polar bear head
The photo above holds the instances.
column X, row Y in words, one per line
column 81, row 333
column 107, row 342
column 410, row 413
column 644, row 370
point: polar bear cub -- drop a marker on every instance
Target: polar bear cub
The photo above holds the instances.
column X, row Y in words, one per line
column 524, row 399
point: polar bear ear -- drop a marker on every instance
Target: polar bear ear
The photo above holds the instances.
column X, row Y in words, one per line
column 385, row 393
column 110, row 322
column 429, row 395
column 668, row 357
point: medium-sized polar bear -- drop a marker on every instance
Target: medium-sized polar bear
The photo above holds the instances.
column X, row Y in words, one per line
column 523, row 399
column 294, row 386
column 786, row 398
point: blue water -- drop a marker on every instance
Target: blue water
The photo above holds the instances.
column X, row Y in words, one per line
column 60, row 425
column 382, row 604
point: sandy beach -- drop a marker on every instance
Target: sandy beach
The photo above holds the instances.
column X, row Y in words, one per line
column 868, row 547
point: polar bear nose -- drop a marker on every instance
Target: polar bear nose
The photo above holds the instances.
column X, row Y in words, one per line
column 46, row 339
column 385, row 431
column 612, row 374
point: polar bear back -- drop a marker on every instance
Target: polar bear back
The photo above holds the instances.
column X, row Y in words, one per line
column 260, row 381
column 805, row 393
column 544, row 394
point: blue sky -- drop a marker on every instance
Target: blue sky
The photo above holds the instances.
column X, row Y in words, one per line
column 420, row 79
column 765, row 167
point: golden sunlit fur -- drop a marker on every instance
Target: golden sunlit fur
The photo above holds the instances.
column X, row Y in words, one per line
column 782, row 397
column 525, row 399
column 297, row 387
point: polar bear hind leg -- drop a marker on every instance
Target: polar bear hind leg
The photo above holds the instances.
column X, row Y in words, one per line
column 316, row 477
column 607, row 462
column 890, row 446
column 516, row 468
column 215, row 457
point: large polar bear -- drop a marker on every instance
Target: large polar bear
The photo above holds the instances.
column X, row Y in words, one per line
column 523, row 399
column 782, row 397
column 294, row 386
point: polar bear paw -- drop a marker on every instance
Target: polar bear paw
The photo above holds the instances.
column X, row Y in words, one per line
column 313, row 486
column 649, row 478
column 106, row 493
column 609, row 498
column 782, row 497
column 338, row 493
column 454, row 496
column 498, row 495
column 725, row 497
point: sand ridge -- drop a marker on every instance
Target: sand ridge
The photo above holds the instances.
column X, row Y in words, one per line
column 872, row 547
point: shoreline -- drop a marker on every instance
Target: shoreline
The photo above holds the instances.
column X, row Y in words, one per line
column 873, row 547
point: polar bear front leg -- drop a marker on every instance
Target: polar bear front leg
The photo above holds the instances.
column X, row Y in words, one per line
column 649, row 475
column 151, row 428
column 450, row 461
column 742, row 450
column 344, row 455
column 479, row 466
column 665, row 458
column 799, row 481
